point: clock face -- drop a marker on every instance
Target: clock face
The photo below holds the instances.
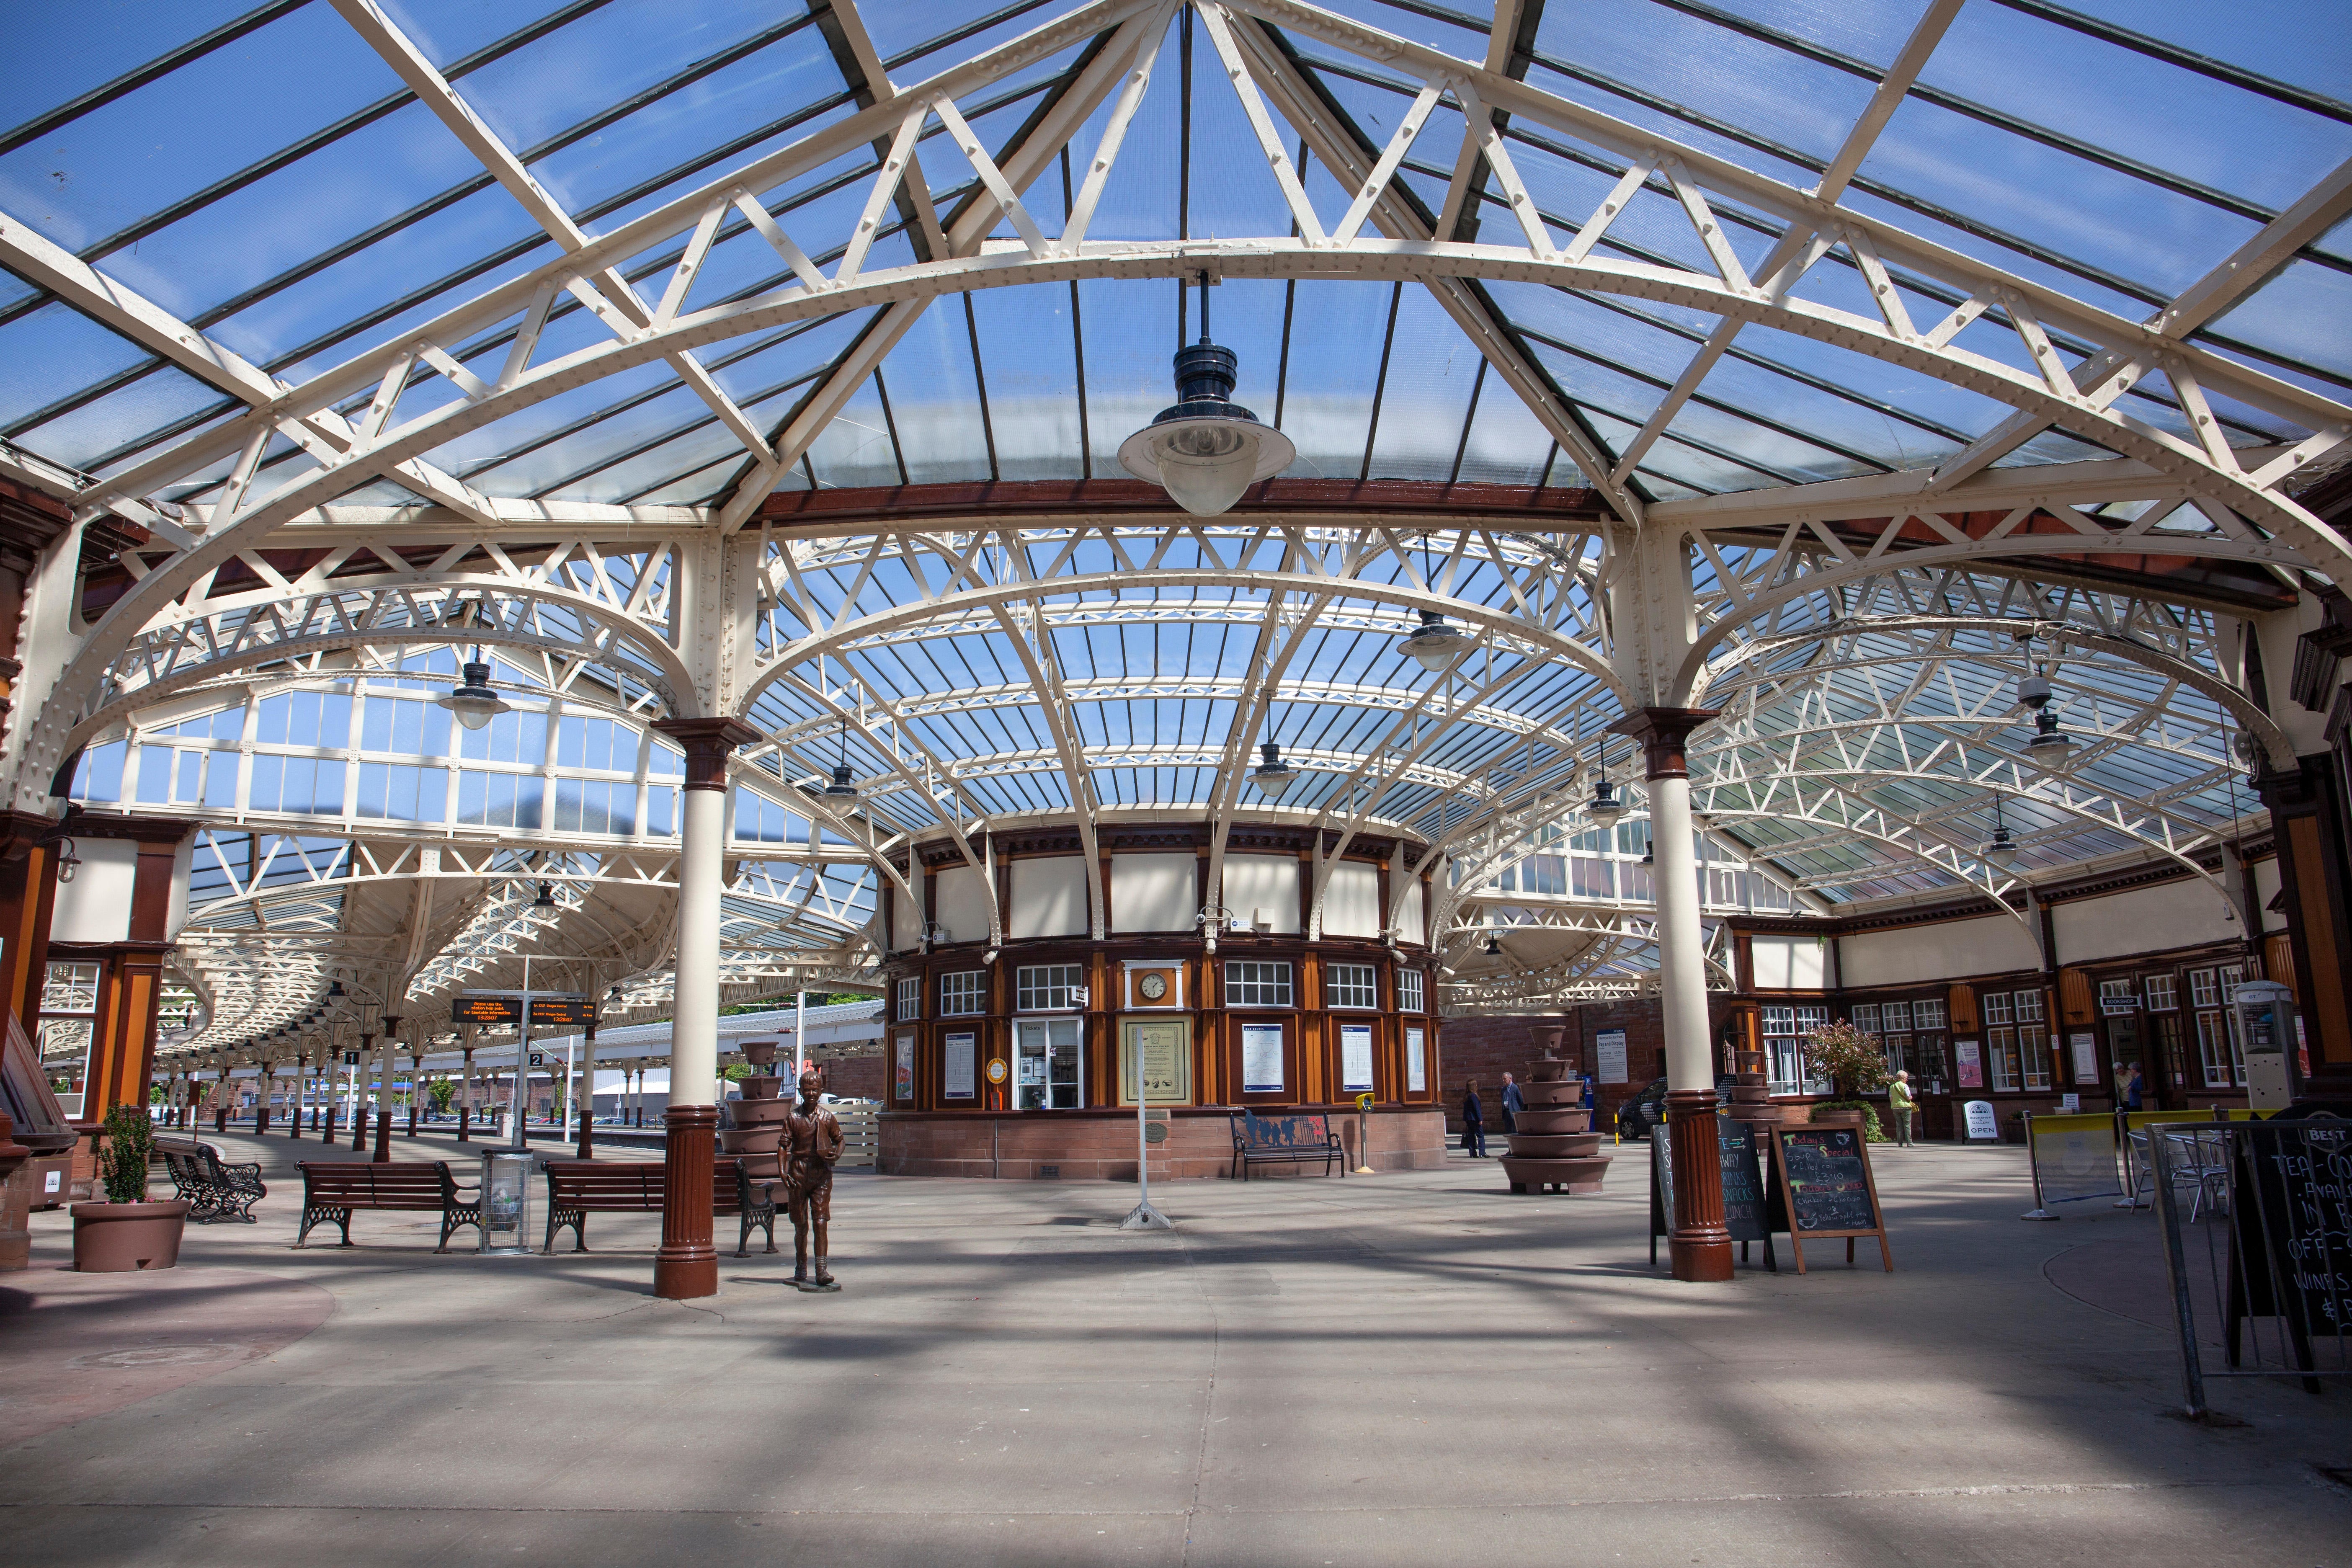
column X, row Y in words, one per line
column 1153, row 986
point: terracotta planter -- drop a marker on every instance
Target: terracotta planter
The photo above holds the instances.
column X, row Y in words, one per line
column 761, row 1053
column 758, row 1113
column 1836, row 1119
column 124, row 1238
column 750, row 1140
column 1551, row 1121
column 1547, row 1038
column 1552, row 1091
column 760, row 1088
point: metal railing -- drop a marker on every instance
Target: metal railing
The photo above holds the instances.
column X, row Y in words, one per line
column 2257, row 1228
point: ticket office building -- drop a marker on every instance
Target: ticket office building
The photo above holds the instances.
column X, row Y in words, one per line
column 1052, row 1022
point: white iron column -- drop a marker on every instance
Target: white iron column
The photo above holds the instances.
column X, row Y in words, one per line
column 686, row 1265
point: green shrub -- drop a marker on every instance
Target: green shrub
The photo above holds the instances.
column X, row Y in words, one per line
column 130, row 1144
column 1870, row 1129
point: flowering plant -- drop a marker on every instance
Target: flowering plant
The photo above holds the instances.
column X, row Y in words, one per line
column 1848, row 1057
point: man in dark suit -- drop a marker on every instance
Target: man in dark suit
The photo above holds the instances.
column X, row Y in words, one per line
column 1513, row 1103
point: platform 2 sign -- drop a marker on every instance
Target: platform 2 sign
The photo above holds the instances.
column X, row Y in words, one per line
column 1826, row 1185
column 1751, row 1208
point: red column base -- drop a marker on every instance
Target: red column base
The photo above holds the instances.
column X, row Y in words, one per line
column 465, row 1125
column 382, row 1138
column 1699, row 1245
column 686, row 1266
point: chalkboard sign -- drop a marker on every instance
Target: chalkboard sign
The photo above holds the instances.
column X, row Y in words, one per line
column 1749, row 1207
column 2291, row 1248
column 1826, row 1183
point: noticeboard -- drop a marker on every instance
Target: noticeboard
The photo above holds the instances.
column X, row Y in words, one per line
column 2291, row 1247
column 1827, row 1187
column 486, row 1009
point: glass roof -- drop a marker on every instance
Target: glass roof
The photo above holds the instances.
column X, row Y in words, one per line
column 322, row 207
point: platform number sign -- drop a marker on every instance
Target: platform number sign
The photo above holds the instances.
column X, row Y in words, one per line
column 351, row 1058
column 538, row 1058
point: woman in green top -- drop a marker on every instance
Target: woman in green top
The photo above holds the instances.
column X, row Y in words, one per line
column 1899, row 1101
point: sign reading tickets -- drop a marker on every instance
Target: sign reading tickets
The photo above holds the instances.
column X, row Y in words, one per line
column 1609, row 1048
column 1355, row 1057
column 1261, row 1058
column 962, row 1067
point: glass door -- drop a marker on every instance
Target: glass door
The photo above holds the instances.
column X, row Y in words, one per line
column 1047, row 1073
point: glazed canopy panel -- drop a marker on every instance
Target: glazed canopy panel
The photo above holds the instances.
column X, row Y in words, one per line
column 1833, row 372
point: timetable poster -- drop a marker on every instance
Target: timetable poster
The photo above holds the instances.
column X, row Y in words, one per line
column 1262, row 1058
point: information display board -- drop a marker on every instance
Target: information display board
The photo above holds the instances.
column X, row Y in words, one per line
column 479, row 1008
column 960, row 1067
column 492, row 1007
column 1416, row 1059
column 1609, row 1055
column 1163, row 1047
column 1355, row 1057
column 1262, row 1058
column 1827, row 1187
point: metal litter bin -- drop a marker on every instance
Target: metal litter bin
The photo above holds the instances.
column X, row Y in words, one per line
column 505, row 1203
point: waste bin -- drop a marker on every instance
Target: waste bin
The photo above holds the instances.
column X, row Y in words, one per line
column 505, row 1203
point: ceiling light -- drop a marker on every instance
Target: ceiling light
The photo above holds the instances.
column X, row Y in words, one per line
column 1273, row 775
column 2048, row 746
column 842, row 788
column 1206, row 449
column 1436, row 643
column 473, row 701
column 1604, row 807
column 546, row 899
column 2001, row 849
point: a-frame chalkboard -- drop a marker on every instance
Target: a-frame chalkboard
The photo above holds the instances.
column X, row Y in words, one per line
column 1824, row 1180
column 1751, row 1209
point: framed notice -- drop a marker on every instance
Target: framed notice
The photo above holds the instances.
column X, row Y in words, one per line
column 962, row 1067
column 903, row 1081
column 1161, row 1049
column 1970, row 1056
column 1355, row 1057
column 2086, row 1057
column 1608, row 1052
column 1416, row 1059
column 1262, row 1058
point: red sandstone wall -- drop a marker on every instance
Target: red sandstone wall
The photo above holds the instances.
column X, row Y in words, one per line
column 1486, row 1048
column 854, row 1078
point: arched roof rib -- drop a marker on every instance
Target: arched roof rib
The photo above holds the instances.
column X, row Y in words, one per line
column 1799, row 288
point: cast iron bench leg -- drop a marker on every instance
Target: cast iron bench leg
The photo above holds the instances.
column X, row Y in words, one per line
column 324, row 1213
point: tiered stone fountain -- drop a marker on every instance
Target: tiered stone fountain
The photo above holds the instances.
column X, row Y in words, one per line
column 1551, row 1148
column 755, row 1127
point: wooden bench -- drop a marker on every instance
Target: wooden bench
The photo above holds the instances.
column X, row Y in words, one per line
column 334, row 1192
column 1285, row 1140
column 578, row 1188
column 214, row 1189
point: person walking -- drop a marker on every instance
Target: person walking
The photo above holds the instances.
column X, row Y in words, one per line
column 2132, row 1085
column 1474, row 1122
column 1900, row 1102
column 1513, row 1103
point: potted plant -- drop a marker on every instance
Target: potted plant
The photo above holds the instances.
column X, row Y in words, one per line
column 1854, row 1062
column 128, row 1232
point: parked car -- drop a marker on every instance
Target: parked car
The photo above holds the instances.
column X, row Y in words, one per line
column 1644, row 1111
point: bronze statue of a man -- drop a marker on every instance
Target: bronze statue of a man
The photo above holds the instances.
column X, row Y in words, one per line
column 812, row 1144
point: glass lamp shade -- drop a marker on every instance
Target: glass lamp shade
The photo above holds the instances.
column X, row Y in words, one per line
column 1205, row 449
column 2002, row 849
column 1273, row 775
column 473, row 701
column 1604, row 807
column 1436, row 643
column 2049, row 742
column 1205, row 461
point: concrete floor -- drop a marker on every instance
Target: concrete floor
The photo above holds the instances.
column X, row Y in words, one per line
column 1405, row 1369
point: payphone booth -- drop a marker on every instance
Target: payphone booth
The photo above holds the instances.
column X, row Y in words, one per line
column 2266, row 1027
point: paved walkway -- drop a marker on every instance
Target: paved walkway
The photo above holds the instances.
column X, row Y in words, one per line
column 1409, row 1369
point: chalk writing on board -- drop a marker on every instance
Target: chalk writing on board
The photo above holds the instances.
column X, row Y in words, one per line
column 1828, row 1184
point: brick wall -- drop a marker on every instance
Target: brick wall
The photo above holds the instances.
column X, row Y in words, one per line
column 1486, row 1048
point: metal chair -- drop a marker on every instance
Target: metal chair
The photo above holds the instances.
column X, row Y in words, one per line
column 2201, row 1155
